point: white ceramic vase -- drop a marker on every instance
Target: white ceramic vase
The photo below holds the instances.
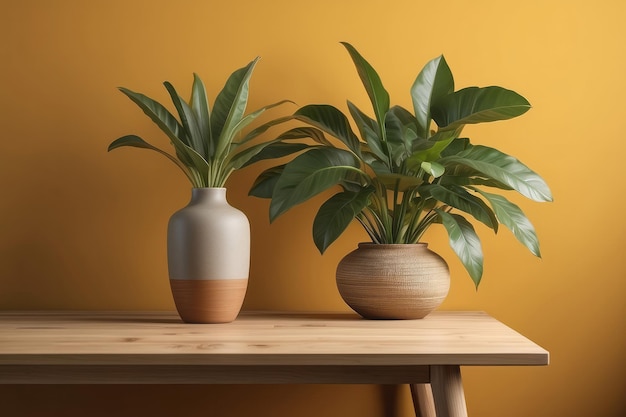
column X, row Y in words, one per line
column 208, row 252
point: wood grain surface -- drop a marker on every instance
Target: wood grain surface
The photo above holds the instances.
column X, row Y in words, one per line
column 161, row 338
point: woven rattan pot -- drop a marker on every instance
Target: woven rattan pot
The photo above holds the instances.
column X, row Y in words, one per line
column 405, row 281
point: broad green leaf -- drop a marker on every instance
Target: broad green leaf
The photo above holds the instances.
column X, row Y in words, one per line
column 504, row 168
column 401, row 129
column 330, row 120
column 433, row 82
column 310, row 174
column 513, row 218
column 465, row 243
column 306, row 132
column 188, row 119
column 457, row 197
column 431, row 149
column 477, row 105
column 467, row 177
column 372, row 83
column 433, row 168
column 200, row 106
column 370, row 131
column 458, row 145
column 336, row 214
column 230, row 106
column 263, row 186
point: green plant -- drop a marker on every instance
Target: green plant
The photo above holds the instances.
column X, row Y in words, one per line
column 209, row 145
column 399, row 177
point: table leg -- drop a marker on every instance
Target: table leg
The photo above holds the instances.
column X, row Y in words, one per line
column 423, row 401
column 448, row 394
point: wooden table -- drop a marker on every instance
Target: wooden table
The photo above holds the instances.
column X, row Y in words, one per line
column 157, row 348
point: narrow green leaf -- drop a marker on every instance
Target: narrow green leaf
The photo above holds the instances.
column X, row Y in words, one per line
column 477, row 105
column 465, row 243
column 172, row 128
column 261, row 129
column 158, row 114
column 230, row 106
column 504, row 168
column 132, row 141
column 137, row 142
column 336, row 214
column 265, row 126
column 200, row 106
column 372, row 83
column 188, row 119
column 310, row 174
column 268, row 150
column 330, row 120
column 513, row 218
column 432, row 83
column 457, row 197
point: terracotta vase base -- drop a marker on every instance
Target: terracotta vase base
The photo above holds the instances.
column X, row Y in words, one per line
column 208, row 301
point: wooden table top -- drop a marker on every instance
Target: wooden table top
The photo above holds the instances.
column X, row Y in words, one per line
column 260, row 338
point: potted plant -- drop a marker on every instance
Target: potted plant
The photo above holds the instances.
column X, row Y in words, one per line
column 208, row 241
column 400, row 173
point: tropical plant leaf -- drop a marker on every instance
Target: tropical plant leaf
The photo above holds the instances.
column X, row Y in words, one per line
column 310, row 174
column 430, row 150
column 373, row 85
column 336, row 214
column 158, row 114
column 433, row 168
column 458, row 145
column 230, row 106
column 370, row 131
column 511, row 216
column 137, row 142
column 188, row 120
column 401, row 129
column 200, row 106
column 330, row 120
column 263, row 151
column 465, row 243
column 263, row 186
column 433, row 82
column 477, row 105
column 265, row 126
column 459, row 198
column 306, row 132
column 173, row 129
column 504, row 168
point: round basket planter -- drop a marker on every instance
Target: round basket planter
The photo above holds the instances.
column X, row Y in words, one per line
column 403, row 281
column 208, row 251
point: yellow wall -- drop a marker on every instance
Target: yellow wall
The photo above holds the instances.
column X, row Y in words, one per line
column 83, row 229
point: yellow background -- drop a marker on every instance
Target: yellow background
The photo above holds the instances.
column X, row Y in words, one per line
column 83, row 229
